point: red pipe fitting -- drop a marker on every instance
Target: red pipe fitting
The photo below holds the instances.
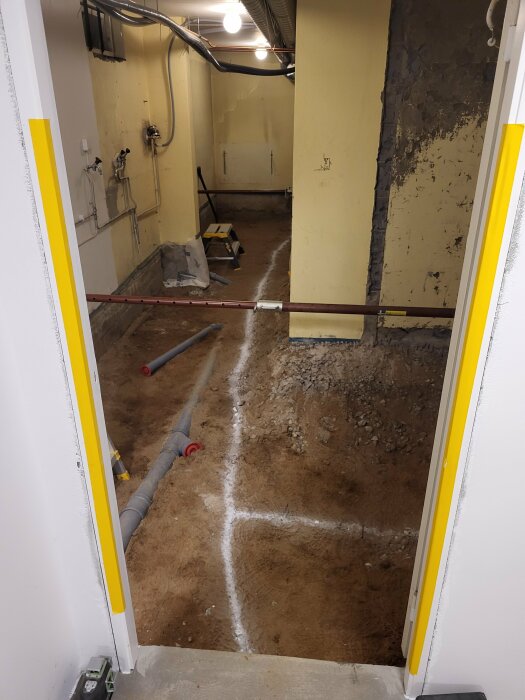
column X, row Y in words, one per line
column 192, row 448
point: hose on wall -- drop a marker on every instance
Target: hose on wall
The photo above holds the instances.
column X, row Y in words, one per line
column 172, row 97
column 154, row 16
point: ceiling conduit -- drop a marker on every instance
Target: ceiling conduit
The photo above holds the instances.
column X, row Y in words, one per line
column 276, row 20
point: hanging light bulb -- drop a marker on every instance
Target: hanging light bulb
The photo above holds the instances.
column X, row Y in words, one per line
column 232, row 22
column 261, row 53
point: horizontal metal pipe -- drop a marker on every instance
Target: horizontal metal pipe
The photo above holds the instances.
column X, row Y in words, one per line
column 286, row 306
column 248, row 49
column 279, row 192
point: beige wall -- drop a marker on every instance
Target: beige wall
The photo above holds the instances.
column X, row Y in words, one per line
column 179, row 216
column 122, row 105
column 108, row 104
column 202, row 112
column 341, row 57
column 253, row 119
column 428, row 217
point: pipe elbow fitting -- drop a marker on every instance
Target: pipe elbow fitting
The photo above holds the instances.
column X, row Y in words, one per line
column 185, row 446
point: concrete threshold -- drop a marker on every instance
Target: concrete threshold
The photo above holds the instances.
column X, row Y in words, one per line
column 184, row 674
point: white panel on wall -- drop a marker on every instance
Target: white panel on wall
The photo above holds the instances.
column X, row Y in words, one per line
column 246, row 163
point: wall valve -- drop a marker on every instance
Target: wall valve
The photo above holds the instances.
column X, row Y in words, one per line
column 151, row 134
column 95, row 166
column 119, row 162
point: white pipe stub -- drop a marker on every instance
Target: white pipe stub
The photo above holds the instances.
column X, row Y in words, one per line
column 268, row 305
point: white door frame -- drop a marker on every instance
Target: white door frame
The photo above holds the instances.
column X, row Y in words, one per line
column 27, row 58
column 445, row 476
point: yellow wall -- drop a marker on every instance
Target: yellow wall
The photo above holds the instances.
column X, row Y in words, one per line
column 122, row 107
column 428, row 217
column 253, row 118
column 129, row 95
column 341, row 57
column 202, row 112
column 179, row 216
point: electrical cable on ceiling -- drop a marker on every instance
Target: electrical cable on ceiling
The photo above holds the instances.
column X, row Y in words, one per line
column 153, row 16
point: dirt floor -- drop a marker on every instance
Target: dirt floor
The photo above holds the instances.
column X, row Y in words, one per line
column 294, row 531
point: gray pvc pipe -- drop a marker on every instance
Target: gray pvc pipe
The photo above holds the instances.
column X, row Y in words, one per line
column 151, row 367
column 177, row 444
column 219, row 278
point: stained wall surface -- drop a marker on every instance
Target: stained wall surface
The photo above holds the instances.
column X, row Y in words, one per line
column 438, row 88
column 123, row 108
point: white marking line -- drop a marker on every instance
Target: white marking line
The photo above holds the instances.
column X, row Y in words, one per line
column 355, row 530
column 231, row 463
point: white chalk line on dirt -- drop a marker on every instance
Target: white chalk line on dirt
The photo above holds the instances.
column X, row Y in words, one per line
column 231, row 463
column 352, row 529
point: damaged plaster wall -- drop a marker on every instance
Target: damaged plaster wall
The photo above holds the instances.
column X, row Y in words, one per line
column 439, row 83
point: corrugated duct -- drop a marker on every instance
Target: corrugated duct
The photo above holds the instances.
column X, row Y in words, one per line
column 276, row 20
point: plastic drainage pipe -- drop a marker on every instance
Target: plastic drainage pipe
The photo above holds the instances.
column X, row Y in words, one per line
column 178, row 444
column 219, row 278
column 150, row 368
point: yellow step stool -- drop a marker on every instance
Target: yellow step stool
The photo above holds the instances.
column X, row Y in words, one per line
column 222, row 235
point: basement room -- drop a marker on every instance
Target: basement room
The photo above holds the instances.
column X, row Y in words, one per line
column 272, row 203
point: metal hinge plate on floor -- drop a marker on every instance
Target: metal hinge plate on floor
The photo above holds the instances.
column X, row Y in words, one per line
column 454, row 696
column 97, row 682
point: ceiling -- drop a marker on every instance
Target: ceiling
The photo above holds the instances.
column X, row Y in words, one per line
column 249, row 35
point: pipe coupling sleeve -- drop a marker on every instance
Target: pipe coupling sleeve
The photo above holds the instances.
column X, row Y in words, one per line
column 268, row 305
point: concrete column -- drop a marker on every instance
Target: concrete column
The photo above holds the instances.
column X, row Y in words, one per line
column 341, row 58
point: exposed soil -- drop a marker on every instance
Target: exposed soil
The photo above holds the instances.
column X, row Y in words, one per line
column 334, row 432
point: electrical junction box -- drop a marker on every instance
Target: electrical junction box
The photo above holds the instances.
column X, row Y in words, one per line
column 103, row 33
column 97, row 682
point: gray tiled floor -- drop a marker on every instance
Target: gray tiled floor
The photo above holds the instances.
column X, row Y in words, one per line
column 185, row 674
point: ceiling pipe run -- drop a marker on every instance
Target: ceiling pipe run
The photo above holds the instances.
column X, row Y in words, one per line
column 276, row 20
column 132, row 10
column 281, row 306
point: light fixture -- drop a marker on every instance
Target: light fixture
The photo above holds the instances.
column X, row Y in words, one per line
column 232, row 22
column 261, row 53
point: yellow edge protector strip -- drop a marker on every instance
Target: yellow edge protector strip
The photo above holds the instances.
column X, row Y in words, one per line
column 58, row 241
column 497, row 216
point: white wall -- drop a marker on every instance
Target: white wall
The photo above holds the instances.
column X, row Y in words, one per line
column 478, row 640
column 473, row 639
column 53, row 607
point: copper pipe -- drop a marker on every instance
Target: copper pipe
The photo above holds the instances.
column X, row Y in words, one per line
column 286, row 306
column 248, row 49
column 279, row 192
